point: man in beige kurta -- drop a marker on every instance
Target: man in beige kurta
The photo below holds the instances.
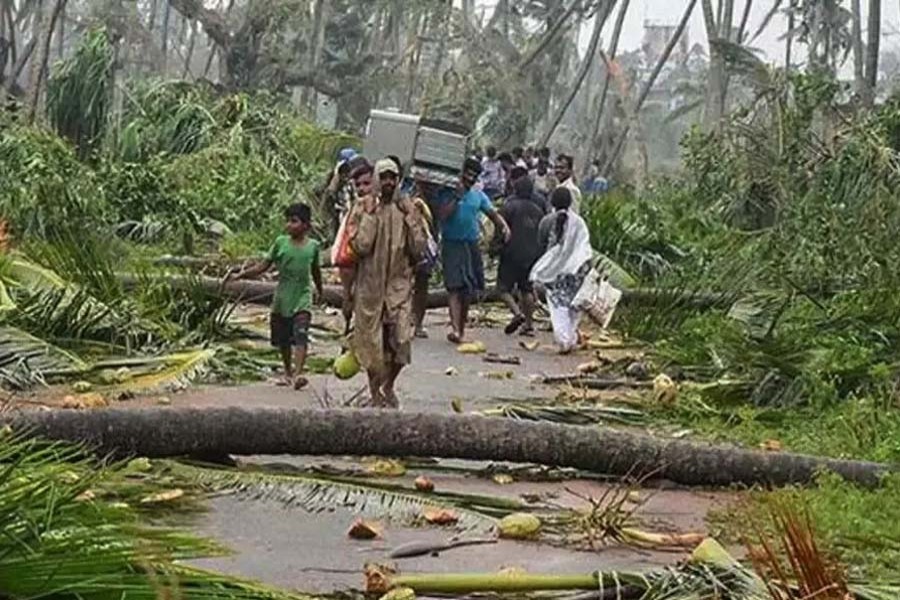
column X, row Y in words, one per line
column 388, row 239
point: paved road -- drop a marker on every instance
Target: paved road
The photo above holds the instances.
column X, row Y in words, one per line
column 291, row 548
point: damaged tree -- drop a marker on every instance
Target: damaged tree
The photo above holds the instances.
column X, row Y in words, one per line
column 156, row 432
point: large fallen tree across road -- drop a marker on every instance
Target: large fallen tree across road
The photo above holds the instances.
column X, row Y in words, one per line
column 260, row 292
column 161, row 432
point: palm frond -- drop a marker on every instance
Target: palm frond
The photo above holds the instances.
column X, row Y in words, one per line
column 6, row 302
column 61, row 539
column 744, row 63
column 569, row 415
column 25, row 359
column 170, row 372
column 317, row 493
column 683, row 110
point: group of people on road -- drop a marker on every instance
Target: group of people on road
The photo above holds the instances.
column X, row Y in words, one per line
column 399, row 230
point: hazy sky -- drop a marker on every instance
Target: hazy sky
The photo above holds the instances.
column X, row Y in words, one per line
column 670, row 12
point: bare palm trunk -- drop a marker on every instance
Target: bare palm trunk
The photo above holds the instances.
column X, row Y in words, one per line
column 717, row 86
column 151, row 23
column 321, row 15
column 167, row 13
column 418, row 30
column 789, row 42
column 745, row 18
column 11, row 31
column 213, row 47
column 551, row 34
column 859, row 79
column 162, row 432
column 42, row 59
column 190, row 51
column 648, row 85
column 61, row 36
column 611, row 56
column 17, row 69
column 873, row 45
column 600, row 21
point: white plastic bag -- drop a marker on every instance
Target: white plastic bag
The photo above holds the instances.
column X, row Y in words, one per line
column 598, row 297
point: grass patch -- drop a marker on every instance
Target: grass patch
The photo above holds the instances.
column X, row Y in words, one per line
column 859, row 428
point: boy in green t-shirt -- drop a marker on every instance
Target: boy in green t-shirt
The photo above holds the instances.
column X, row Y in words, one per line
column 296, row 257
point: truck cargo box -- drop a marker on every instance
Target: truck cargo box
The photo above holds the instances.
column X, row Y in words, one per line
column 431, row 149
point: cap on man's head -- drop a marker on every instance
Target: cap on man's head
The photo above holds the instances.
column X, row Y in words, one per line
column 386, row 165
column 346, row 155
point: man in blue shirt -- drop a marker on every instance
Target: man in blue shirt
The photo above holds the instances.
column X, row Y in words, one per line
column 460, row 254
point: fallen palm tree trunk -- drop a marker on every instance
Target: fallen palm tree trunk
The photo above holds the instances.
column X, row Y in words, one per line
column 161, row 432
column 261, row 292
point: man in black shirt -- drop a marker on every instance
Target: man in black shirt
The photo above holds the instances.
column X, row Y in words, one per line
column 518, row 255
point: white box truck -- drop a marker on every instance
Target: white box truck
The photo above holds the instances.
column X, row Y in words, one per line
column 430, row 149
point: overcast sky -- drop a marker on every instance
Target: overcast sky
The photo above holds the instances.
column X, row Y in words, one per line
column 670, row 12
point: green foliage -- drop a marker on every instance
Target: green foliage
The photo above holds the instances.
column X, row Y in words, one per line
column 44, row 189
column 797, row 234
column 79, row 93
column 178, row 162
column 75, row 528
column 866, row 428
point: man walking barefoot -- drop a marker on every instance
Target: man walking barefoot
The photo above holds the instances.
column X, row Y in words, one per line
column 460, row 254
column 388, row 240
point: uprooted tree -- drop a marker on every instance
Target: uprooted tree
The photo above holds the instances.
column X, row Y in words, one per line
column 186, row 431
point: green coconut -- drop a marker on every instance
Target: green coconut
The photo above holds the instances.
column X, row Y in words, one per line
column 519, row 526
column 346, row 366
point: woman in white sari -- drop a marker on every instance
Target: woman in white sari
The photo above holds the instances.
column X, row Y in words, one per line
column 563, row 267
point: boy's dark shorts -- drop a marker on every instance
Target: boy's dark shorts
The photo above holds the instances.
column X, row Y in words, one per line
column 290, row 331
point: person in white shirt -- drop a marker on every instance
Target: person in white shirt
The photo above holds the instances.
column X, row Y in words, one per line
column 565, row 174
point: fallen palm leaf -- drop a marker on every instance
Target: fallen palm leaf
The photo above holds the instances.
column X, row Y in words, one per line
column 661, row 540
column 569, row 415
column 171, row 372
column 499, row 375
column 501, row 359
column 316, row 493
column 164, row 496
column 83, row 401
column 387, row 468
column 472, row 348
column 25, row 359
